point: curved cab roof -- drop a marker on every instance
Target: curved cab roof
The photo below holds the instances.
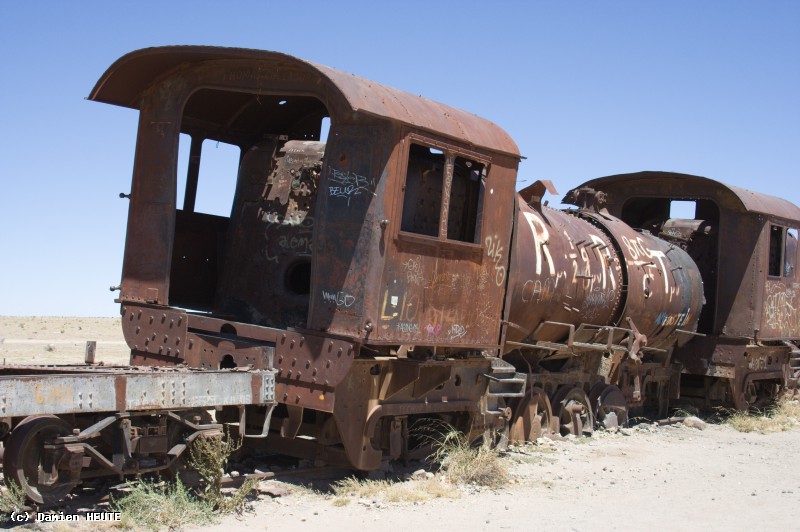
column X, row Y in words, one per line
column 737, row 197
column 124, row 82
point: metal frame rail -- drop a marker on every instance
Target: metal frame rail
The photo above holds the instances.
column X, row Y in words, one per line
column 38, row 390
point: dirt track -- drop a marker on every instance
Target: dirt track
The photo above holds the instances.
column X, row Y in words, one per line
column 673, row 477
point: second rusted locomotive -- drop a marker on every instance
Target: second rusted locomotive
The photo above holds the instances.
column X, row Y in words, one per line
column 390, row 272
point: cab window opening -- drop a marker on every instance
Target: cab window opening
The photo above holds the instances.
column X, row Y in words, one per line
column 775, row 250
column 443, row 195
column 790, row 253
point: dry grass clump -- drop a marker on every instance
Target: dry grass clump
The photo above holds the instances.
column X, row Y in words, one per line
column 463, row 463
column 156, row 506
column 12, row 499
column 388, row 491
column 173, row 506
column 785, row 415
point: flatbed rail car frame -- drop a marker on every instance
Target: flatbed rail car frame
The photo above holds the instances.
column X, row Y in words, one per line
column 72, row 423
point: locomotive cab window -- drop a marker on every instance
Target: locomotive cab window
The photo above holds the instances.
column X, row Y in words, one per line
column 207, row 188
column 251, row 166
column 443, row 195
column 776, row 234
column 790, row 253
column 686, row 210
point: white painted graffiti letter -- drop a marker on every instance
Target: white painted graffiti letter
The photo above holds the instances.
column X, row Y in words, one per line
column 540, row 240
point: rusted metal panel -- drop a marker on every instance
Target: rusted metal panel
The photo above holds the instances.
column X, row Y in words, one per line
column 738, row 287
column 156, row 331
column 351, row 206
column 779, row 288
column 781, row 310
column 76, row 390
column 447, row 246
column 421, row 113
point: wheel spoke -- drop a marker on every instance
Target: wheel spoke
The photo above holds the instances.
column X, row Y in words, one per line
column 572, row 408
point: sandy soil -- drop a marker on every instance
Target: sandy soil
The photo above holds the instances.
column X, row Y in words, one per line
column 60, row 340
column 673, row 477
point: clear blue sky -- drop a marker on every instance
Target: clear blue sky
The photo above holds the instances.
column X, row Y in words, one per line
column 585, row 88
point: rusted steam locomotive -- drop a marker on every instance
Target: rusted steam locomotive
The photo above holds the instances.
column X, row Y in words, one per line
column 392, row 273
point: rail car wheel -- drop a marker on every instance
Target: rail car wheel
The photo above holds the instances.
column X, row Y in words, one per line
column 757, row 395
column 532, row 417
column 573, row 412
column 608, row 405
column 24, row 461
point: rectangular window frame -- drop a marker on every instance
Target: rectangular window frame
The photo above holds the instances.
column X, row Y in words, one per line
column 776, row 248
column 451, row 152
column 789, row 269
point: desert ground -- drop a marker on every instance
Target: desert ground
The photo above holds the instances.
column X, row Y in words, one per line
column 673, row 477
column 60, row 340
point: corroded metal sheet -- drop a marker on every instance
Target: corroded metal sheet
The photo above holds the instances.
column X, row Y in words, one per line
column 129, row 389
column 664, row 288
column 781, row 309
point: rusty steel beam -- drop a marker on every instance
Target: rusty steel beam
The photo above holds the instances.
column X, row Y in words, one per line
column 72, row 391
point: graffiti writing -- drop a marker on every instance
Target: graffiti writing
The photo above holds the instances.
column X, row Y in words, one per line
column 340, row 299
column 640, row 253
column 673, row 320
column 347, row 185
column 433, row 330
column 413, row 270
column 600, row 298
column 407, row 327
column 457, row 331
column 780, row 309
column 495, row 252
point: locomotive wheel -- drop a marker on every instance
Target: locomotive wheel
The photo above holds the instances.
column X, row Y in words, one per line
column 573, row 412
column 612, row 409
column 24, row 455
column 533, row 417
column 757, row 396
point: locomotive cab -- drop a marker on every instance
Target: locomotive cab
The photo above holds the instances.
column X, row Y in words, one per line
column 745, row 245
column 338, row 231
column 366, row 238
